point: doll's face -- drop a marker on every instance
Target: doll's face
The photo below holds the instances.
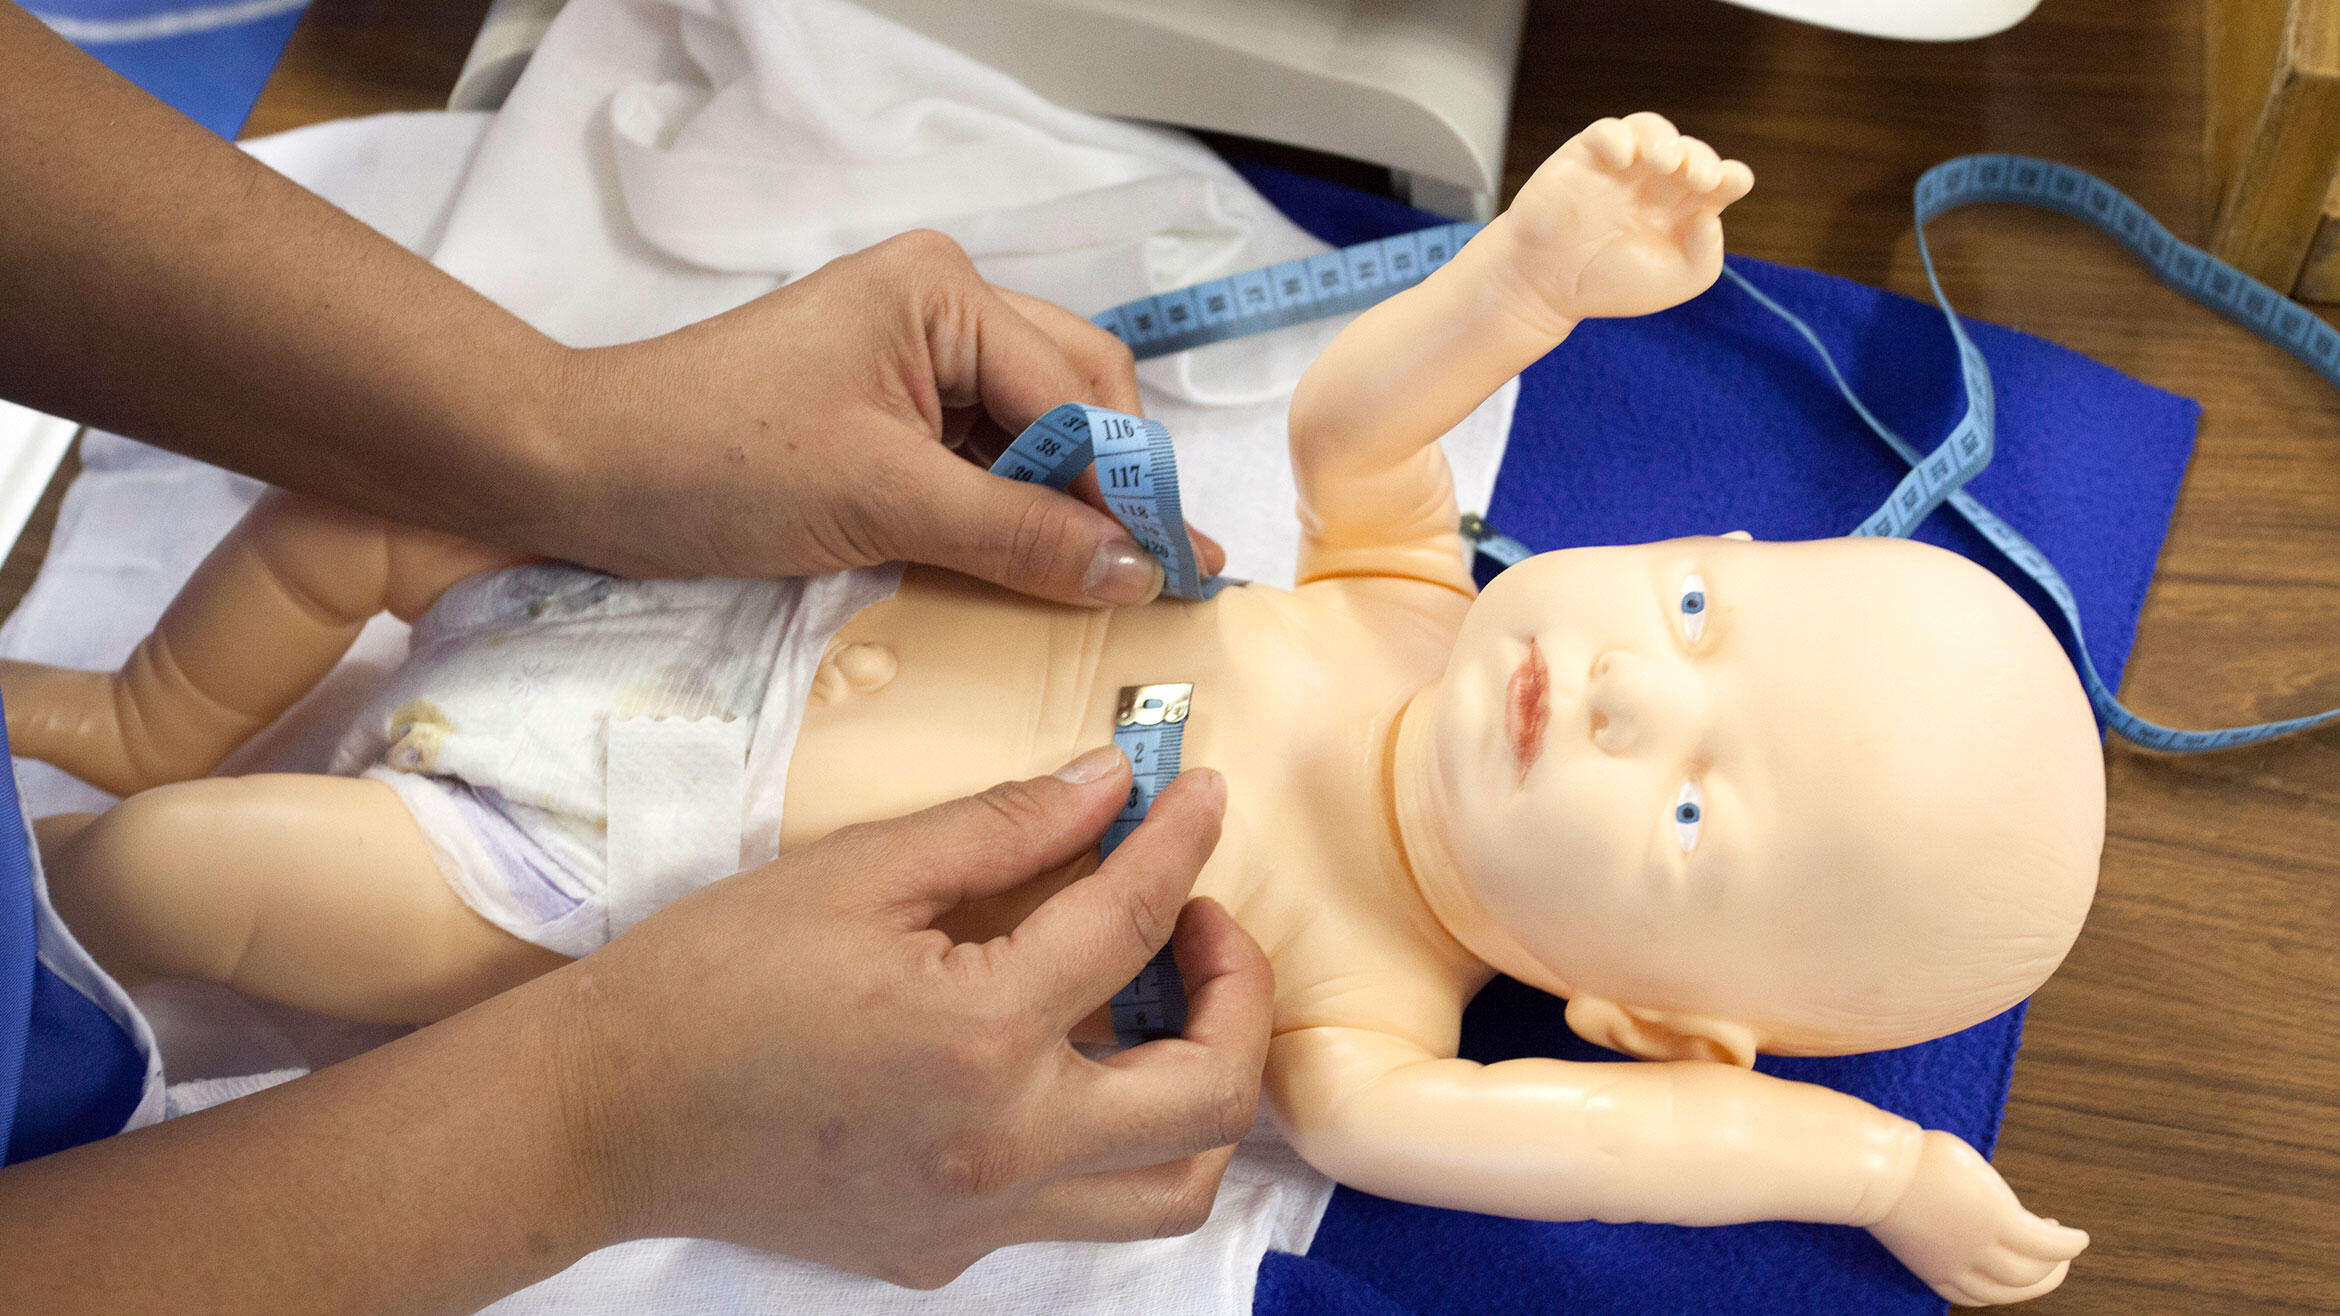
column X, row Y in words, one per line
column 1725, row 776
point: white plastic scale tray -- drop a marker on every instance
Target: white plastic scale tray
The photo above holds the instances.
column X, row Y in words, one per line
column 31, row 445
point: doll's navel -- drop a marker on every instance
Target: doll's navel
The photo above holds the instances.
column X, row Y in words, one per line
column 851, row 668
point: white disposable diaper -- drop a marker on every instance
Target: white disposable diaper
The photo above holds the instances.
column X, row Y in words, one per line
column 496, row 730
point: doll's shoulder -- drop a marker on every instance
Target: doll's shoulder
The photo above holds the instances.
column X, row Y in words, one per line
column 1384, row 974
column 1378, row 611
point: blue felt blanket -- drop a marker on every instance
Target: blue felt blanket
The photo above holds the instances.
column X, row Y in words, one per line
column 1712, row 417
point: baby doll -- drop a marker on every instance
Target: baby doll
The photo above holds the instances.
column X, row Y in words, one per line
column 1723, row 796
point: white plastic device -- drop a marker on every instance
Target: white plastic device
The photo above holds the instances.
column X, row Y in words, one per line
column 1422, row 86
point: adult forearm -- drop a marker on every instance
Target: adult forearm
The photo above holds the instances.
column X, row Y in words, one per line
column 158, row 282
column 435, row 1174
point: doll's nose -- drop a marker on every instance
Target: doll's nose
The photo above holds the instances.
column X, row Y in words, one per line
column 1638, row 705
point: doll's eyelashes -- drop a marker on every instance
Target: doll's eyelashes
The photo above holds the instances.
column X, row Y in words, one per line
column 1689, row 811
column 1692, row 606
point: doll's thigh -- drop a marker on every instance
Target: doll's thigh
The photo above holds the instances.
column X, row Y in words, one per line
column 314, row 891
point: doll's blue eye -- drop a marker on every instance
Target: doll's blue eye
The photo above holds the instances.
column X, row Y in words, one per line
column 1689, row 811
column 1693, row 606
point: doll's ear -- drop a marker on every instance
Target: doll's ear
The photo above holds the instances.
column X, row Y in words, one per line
column 1660, row 1034
column 1740, row 535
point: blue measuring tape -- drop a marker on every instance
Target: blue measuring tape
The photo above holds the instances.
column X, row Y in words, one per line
column 1294, row 292
column 1938, row 477
column 1354, row 278
column 1139, row 474
column 1149, row 724
column 1136, row 471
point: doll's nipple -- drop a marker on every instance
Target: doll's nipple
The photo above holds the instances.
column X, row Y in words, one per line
column 852, row 669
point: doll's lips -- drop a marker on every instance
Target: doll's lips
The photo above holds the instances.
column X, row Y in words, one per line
column 1527, row 710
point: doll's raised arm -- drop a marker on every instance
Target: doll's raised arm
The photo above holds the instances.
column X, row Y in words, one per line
column 1682, row 1142
column 1623, row 220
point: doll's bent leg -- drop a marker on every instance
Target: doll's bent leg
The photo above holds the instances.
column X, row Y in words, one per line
column 269, row 612
column 314, row 891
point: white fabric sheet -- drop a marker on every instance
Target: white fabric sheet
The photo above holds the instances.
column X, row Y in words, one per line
column 661, row 162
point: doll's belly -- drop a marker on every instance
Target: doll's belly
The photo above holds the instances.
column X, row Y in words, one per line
column 979, row 687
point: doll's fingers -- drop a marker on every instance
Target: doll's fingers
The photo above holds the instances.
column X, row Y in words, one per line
column 1088, row 940
column 1701, row 167
column 2048, row 1240
column 1658, row 140
column 1126, row 1206
column 2046, row 1284
column 984, row 844
column 1702, row 242
column 2010, row 1267
column 1958, row 1295
column 1736, row 181
column 1611, row 142
column 1981, row 1291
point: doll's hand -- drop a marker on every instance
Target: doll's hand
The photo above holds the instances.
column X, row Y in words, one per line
column 795, row 1059
column 1623, row 220
column 1960, row 1229
column 846, row 420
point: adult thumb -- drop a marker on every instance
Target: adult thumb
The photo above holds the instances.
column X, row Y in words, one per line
column 1027, row 537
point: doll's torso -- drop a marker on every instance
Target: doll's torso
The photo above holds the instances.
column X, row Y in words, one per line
column 1295, row 697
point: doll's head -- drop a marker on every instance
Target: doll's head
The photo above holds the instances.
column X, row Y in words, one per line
column 1803, row 798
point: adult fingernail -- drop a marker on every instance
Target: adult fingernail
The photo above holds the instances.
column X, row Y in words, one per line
column 1122, row 574
column 1090, row 766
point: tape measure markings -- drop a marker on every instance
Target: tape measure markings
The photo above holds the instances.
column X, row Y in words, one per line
column 1149, row 724
column 1137, row 472
column 1274, row 297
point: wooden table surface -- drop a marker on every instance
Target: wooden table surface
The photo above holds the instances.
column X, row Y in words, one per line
column 2179, row 1091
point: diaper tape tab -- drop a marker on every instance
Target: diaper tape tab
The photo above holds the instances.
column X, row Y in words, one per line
column 677, row 791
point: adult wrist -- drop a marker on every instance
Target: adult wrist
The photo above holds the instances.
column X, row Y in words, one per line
column 585, row 1074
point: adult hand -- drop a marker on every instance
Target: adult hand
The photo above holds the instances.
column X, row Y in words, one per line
column 796, row 1060
column 840, row 421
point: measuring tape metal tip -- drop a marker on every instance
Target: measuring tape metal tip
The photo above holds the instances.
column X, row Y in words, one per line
column 1149, row 724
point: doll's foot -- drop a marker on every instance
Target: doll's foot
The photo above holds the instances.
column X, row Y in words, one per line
column 1623, row 220
column 88, row 725
column 64, row 718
